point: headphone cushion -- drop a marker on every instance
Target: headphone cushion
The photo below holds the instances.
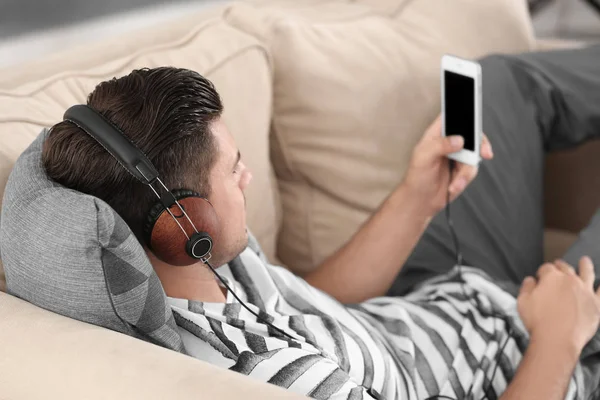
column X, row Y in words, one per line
column 157, row 209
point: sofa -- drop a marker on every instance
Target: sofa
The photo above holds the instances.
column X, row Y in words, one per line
column 325, row 99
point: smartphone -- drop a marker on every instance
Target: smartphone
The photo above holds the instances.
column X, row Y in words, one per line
column 461, row 106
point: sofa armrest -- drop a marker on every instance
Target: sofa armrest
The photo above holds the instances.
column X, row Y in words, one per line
column 556, row 243
column 572, row 187
column 572, row 179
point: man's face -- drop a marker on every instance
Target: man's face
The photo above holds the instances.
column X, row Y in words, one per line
column 228, row 180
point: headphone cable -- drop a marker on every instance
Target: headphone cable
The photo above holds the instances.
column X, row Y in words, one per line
column 371, row 391
column 458, row 252
column 459, row 261
column 258, row 317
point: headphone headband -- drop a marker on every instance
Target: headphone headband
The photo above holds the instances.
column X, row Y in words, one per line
column 114, row 141
column 199, row 243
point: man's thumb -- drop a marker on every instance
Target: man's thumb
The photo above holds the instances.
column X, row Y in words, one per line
column 451, row 144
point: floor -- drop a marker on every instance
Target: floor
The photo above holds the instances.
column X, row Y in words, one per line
column 31, row 28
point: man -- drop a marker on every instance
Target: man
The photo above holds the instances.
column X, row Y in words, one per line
column 454, row 332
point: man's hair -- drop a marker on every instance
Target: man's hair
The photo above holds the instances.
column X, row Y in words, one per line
column 166, row 112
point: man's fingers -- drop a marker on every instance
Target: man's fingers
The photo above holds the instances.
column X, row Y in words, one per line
column 546, row 269
column 564, row 267
column 455, row 143
column 527, row 286
column 586, row 271
column 441, row 146
column 451, row 144
column 486, row 148
column 463, row 176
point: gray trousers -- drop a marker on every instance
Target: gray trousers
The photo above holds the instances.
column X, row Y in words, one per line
column 532, row 104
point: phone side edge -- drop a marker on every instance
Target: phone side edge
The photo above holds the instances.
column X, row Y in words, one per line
column 443, row 96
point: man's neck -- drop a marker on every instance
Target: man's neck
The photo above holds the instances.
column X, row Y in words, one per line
column 194, row 282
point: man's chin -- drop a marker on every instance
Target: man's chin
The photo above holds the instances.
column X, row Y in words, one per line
column 243, row 244
column 236, row 250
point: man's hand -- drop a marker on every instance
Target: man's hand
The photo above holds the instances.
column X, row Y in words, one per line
column 390, row 235
column 427, row 175
column 561, row 313
column 561, row 307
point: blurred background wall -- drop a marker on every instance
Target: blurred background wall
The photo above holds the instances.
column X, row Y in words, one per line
column 31, row 28
column 567, row 19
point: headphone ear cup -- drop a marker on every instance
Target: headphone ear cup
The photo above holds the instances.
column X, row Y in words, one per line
column 199, row 245
column 157, row 209
column 167, row 241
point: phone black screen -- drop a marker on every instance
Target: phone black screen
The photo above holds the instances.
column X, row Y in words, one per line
column 459, row 95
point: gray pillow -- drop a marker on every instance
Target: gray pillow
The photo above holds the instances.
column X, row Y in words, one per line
column 71, row 253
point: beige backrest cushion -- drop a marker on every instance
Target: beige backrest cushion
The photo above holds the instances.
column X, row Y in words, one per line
column 36, row 95
column 355, row 86
column 50, row 357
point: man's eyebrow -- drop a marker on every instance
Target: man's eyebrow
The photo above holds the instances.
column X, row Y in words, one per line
column 237, row 160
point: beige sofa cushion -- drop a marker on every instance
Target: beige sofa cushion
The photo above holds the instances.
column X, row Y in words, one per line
column 47, row 356
column 355, row 86
column 36, row 95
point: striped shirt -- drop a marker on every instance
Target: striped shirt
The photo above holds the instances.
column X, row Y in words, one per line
column 443, row 338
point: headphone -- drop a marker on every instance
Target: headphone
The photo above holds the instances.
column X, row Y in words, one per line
column 162, row 225
column 178, row 210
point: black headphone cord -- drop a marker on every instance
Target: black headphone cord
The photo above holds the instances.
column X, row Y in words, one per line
column 258, row 317
column 459, row 261
column 371, row 391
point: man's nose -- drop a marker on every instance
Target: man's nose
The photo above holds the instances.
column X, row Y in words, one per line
column 247, row 179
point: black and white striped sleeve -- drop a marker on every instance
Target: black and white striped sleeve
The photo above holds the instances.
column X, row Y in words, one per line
column 302, row 372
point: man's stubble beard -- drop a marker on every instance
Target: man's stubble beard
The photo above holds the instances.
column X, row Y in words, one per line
column 234, row 250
